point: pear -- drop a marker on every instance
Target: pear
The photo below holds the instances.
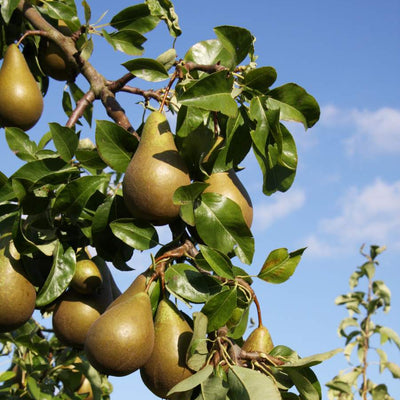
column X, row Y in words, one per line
column 86, row 388
column 121, row 340
column 21, row 102
column 259, row 340
column 17, row 294
column 167, row 364
column 155, row 171
column 228, row 184
column 52, row 59
column 87, row 278
column 75, row 312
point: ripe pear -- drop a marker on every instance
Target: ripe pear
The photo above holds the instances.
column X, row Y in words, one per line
column 121, row 340
column 154, row 173
column 21, row 102
column 52, row 59
column 87, row 278
column 17, row 294
column 167, row 364
column 228, row 184
column 259, row 340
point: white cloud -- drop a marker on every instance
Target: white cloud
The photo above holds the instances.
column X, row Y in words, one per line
column 283, row 204
column 372, row 131
column 370, row 214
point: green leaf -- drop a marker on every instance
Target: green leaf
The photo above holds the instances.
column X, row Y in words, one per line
column 136, row 17
column 214, row 388
column 65, row 139
column 312, row 360
column 394, row 369
column 167, row 58
column 197, row 352
column 185, row 196
column 210, row 52
column 218, row 262
column 6, row 189
column 164, row 10
column 18, row 141
column 220, row 224
column 147, row 69
column 7, row 8
column 219, row 308
column 248, row 384
column 60, row 276
column 65, row 12
column 260, row 79
column 212, row 93
column 388, row 334
column 115, row 145
column 295, row 100
column 47, row 171
column 383, row 292
column 73, row 197
column 306, row 383
column 193, row 381
column 187, row 283
column 280, row 265
column 237, row 41
column 128, row 41
column 137, row 234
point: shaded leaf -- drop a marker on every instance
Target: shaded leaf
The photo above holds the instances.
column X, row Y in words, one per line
column 260, row 79
column 147, row 69
column 248, row 384
column 60, row 276
column 306, row 383
column 115, row 145
column 164, row 10
column 73, row 197
column 128, row 41
column 197, row 352
column 136, row 17
column 192, row 381
column 219, row 308
column 218, row 262
column 7, row 8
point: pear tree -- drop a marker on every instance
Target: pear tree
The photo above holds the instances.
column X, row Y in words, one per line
column 79, row 210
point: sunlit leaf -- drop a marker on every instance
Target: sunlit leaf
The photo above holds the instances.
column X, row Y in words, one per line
column 18, row 141
column 136, row 17
column 65, row 139
column 147, row 69
column 128, row 41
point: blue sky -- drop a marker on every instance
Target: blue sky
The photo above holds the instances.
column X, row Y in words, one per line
column 347, row 189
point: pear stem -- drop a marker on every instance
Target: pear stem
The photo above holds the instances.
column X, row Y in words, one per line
column 32, row 33
column 167, row 89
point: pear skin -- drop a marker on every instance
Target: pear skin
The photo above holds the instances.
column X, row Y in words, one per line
column 155, row 171
column 21, row 102
column 17, row 294
column 122, row 339
column 167, row 364
column 259, row 340
column 228, row 184
column 137, row 286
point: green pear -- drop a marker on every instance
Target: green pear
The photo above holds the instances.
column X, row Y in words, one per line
column 259, row 340
column 167, row 364
column 52, row 59
column 87, row 277
column 21, row 102
column 154, row 173
column 228, row 184
column 17, row 294
column 121, row 340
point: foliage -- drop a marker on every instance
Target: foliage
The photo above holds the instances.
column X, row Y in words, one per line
column 67, row 196
column 361, row 333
